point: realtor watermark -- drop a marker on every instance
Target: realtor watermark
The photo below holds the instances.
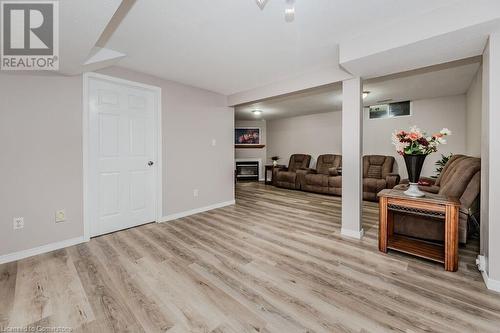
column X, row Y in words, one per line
column 29, row 35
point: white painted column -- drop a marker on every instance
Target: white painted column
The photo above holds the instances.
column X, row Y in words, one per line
column 352, row 140
column 490, row 164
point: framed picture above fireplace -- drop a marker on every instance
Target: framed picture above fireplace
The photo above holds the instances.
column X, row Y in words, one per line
column 247, row 137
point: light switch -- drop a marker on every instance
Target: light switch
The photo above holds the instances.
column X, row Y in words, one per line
column 214, row 142
column 60, row 216
column 18, row 223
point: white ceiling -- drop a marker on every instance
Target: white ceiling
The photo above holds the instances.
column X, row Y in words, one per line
column 231, row 46
column 444, row 80
column 80, row 25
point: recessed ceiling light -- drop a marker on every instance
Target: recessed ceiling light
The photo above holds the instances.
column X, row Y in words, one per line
column 365, row 94
column 257, row 112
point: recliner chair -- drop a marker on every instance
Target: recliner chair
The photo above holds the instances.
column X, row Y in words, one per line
column 325, row 178
column 287, row 177
column 460, row 178
column 377, row 175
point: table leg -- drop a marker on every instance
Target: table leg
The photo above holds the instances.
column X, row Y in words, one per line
column 390, row 224
column 382, row 232
column 451, row 239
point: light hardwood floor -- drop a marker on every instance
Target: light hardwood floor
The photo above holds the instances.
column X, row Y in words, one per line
column 274, row 262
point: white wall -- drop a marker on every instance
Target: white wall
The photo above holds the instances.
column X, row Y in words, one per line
column 473, row 115
column 254, row 152
column 41, row 153
column 485, row 158
column 191, row 118
column 490, row 162
column 40, row 159
column 322, row 133
column 428, row 114
column 312, row 134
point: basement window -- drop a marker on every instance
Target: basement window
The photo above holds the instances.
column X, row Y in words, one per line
column 391, row 110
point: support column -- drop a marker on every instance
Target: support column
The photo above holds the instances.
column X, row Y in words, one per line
column 490, row 164
column 352, row 140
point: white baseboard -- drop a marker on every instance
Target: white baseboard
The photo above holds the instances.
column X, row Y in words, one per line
column 358, row 234
column 196, row 211
column 41, row 249
column 490, row 283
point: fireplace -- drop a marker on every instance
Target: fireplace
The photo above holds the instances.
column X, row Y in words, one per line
column 247, row 170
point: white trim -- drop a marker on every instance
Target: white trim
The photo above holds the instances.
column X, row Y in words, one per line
column 196, row 211
column 40, row 250
column 159, row 144
column 352, row 233
column 481, row 263
column 490, row 283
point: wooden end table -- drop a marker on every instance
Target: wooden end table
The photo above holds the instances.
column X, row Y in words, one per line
column 432, row 205
column 268, row 168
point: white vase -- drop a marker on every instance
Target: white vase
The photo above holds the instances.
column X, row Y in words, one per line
column 275, row 163
column 414, row 191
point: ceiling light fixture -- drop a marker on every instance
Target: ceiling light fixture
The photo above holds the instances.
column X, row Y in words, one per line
column 290, row 11
column 261, row 3
column 365, row 94
column 289, row 8
column 257, row 112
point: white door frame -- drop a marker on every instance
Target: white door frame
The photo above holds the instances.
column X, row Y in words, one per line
column 158, row 204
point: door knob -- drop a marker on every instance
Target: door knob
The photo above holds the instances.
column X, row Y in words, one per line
column 150, row 163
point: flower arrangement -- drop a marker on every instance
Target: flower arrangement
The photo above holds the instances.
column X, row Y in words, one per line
column 416, row 142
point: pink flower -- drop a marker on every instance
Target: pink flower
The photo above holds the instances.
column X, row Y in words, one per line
column 414, row 136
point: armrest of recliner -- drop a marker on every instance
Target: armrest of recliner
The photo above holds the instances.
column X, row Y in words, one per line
column 306, row 170
column 431, row 188
column 430, row 181
column 301, row 176
column 332, row 172
column 392, row 180
column 275, row 173
column 278, row 169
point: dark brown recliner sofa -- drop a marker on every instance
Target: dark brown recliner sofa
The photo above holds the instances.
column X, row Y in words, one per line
column 325, row 178
column 287, row 177
column 460, row 178
column 377, row 175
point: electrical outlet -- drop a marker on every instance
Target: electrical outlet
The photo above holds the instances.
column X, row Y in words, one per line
column 60, row 215
column 18, row 223
column 196, row 192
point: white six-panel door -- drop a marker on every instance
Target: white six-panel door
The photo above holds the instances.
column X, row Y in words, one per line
column 122, row 155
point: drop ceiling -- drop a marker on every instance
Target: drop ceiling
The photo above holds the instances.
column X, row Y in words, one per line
column 443, row 80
